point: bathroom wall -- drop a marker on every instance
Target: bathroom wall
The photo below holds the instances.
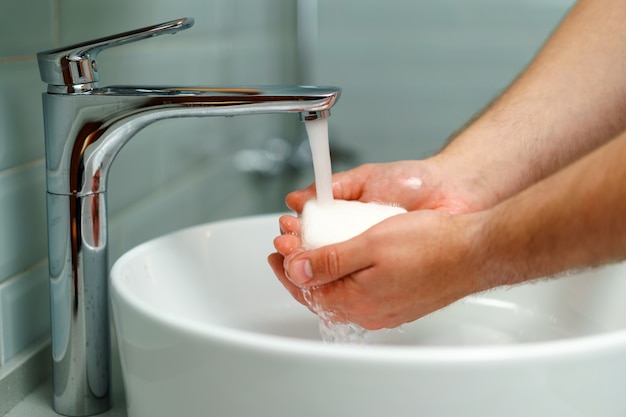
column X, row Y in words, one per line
column 172, row 175
column 412, row 72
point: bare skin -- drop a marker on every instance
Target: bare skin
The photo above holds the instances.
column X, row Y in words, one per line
column 533, row 187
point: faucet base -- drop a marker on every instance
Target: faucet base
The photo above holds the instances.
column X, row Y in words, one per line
column 79, row 305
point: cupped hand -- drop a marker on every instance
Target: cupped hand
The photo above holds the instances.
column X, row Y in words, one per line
column 395, row 272
column 411, row 184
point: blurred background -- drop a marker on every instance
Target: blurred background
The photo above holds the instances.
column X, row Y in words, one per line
column 412, row 73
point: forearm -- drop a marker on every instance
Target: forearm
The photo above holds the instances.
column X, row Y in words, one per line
column 571, row 99
column 572, row 219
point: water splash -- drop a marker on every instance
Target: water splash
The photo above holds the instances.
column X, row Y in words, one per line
column 331, row 330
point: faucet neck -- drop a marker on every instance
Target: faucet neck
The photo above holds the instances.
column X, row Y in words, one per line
column 85, row 132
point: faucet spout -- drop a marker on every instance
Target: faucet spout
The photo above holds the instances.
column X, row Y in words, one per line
column 86, row 126
column 87, row 130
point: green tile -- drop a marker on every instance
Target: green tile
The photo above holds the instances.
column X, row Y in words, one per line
column 21, row 116
column 83, row 20
column 26, row 27
column 22, row 218
column 24, row 310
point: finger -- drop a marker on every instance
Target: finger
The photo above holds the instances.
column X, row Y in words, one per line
column 296, row 199
column 328, row 263
column 276, row 263
column 289, row 224
column 333, row 301
column 287, row 244
column 348, row 185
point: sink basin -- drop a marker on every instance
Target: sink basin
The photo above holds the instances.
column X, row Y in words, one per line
column 205, row 329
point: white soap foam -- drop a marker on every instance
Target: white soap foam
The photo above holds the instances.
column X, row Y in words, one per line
column 323, row 224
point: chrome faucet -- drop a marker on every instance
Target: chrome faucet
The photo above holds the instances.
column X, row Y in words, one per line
column 85, row 127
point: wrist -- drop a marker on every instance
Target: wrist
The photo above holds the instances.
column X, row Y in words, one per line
column 466, row 179
column 492, row 254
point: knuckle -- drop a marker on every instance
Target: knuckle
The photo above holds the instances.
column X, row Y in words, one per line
column 332, row 262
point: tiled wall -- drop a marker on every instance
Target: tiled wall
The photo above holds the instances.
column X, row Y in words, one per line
column 411, row 71
column 171, row 175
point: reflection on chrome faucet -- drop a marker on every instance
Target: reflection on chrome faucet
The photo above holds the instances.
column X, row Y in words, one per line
column 85, row 128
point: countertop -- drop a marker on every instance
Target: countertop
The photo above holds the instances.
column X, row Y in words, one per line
column 39, row 402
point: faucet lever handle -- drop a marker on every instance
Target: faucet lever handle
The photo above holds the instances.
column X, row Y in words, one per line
column 74, row 69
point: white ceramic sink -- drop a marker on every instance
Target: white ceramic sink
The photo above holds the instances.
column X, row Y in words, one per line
column 205, row 329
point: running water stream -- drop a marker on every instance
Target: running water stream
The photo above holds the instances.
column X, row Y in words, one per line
column 330, row 330
column 317, row 131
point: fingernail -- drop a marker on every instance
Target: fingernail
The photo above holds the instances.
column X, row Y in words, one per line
column 300, row 271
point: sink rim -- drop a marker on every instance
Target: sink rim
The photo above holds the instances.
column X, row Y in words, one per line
column 404, row 354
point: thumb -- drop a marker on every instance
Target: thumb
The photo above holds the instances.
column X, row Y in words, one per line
column 295, row 200
column 326, row 264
